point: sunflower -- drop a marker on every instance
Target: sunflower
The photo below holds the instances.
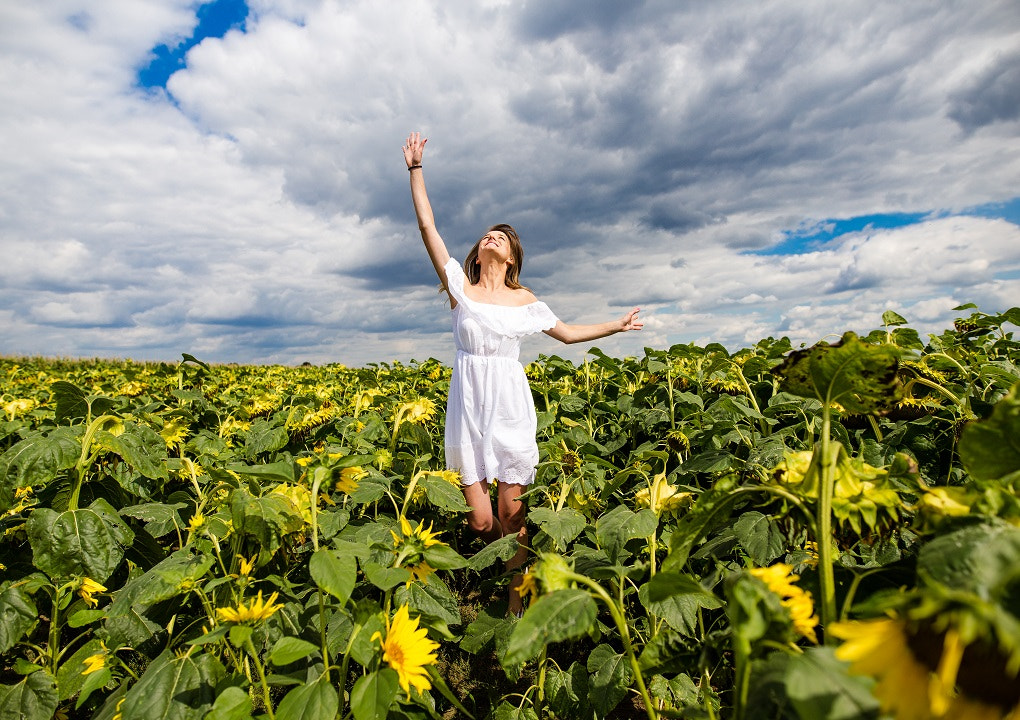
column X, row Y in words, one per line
column 96, row 662
column 174, row 432
column 528, row 586
column 780, row 578
column 417, row 411
column 349, row 477
column 661, row 497
column 257, row 611
column 918, row 671
column 420, row 572
column 87, row 589
column 420, row 535
column 407, row 649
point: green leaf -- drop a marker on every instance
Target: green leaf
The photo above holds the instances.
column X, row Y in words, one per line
column 819, row 687
column 267, row 518
column 18, row 614
column 444, row 557
column 561, row 525
column 557, row 616
column 69, row 678
column 89, row 541
column 385, row 578
column 279, row 471
column 174, row 688
column 335, row 572
column 443, row 495
column 502, row 549
column 373, row 694
column 34, row 697
column 710, row 510
column 566, row 691
column 760, row 537
column 862, row 378
column 981, row 559
column 290, row 649
column 159, row 518
column 990, row 449
column 481, row 631
column 231, row 704
column 506, row 711
column 610, row 678
column 892, row 318
column 676, row 598
column 38, row 458
column 433, row 599
column 620, row 525
column 263, row 436
column 71, row 402
column 142, row 448
column 317, row 700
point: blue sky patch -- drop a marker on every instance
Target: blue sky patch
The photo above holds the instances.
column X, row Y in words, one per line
column 215, row 19
column 814, row 236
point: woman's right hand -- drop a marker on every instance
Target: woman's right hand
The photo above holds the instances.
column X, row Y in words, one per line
column 414, row 148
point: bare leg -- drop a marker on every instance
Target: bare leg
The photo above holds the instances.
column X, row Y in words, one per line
column 480, row 518
column 512, row 515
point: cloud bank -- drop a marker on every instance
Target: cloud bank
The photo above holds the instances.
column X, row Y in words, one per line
column 256, row 208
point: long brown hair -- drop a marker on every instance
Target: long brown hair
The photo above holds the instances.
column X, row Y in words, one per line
column 473, row 270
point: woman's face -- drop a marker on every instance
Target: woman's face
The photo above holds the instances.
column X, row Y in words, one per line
column 496, row 245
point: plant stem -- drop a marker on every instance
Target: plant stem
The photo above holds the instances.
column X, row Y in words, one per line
column 628, row 648
column 262, row 678
column 826, row 488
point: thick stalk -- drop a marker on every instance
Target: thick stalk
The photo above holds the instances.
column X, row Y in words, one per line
column 262, row 678
column 827, row 482
column 628, row 649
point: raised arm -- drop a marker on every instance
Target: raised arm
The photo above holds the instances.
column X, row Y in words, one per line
column 582, row 333
column 414, row 148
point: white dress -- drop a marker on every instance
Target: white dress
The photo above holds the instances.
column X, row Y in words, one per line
column 490, row 414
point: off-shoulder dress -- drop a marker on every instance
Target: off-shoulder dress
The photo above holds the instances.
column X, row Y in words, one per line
column 490, row 413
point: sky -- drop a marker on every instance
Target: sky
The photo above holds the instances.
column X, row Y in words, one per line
column 226, row 179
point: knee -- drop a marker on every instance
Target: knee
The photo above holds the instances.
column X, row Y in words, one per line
column 512, row 516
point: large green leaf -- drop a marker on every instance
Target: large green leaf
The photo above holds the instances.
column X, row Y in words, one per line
column 335, row 572
column 231, row 704
column 502, row 549
column 862, row 378
column 317, row 700
column 443, row 495
column 557, row 616
column 174, row 688
column 34, row 697
column 432, row 599
column 18, row 614
column 620, row 525
column 760, row 536
column 373, row 694
column 981, row 559
column 990, row 449
column 263, row 436
column 676, row 598
column 819, row 687
column 141, row 447
column 710, row 510
column 561, row 525
column 610, row 679
column 267, row 518
column 38, row 458
column 88, row 541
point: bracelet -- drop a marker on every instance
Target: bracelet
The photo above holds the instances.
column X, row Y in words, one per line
column 412, row 167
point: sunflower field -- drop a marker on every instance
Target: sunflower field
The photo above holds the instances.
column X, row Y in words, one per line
column 825, row 532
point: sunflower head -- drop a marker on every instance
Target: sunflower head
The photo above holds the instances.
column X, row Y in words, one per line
column 258, row 610
column 88, row 589
column 408, row 650
column 779, row 579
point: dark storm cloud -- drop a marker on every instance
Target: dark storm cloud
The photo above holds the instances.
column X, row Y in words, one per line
column 993, row 96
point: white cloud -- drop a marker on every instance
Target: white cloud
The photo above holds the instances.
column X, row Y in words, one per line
column 639, row 149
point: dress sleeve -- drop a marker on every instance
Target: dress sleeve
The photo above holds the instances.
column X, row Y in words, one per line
column 540, row 318
column 455, row 280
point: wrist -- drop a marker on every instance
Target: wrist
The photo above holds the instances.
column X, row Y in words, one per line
column 416, row 166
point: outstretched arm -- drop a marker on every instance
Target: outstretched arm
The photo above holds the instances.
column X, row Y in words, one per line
column 582, row 333
column 414, row 148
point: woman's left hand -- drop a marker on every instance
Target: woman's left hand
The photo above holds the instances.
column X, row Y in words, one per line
column 630, row 321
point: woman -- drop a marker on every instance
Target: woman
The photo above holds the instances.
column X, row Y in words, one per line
column 490, row 416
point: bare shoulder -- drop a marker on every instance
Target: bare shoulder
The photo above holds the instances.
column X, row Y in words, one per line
column 524, row 296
